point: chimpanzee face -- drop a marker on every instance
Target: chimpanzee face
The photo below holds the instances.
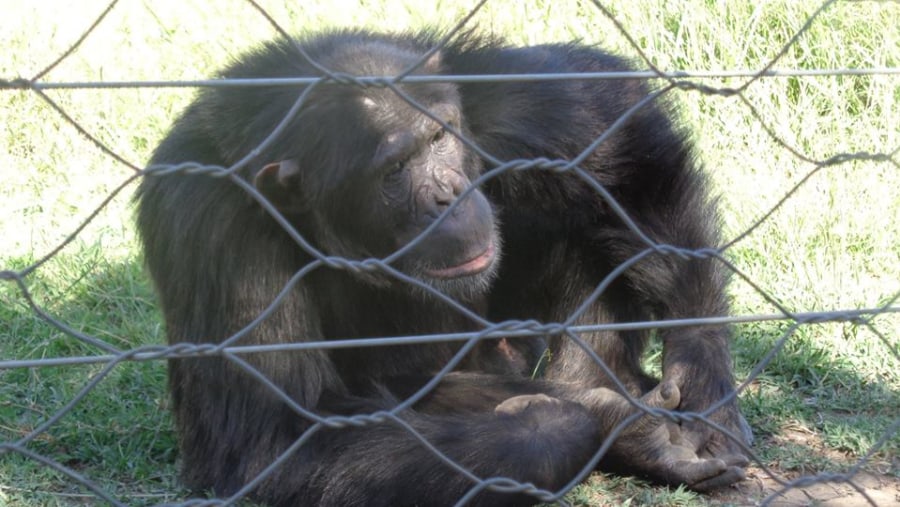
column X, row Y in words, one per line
column 408, row 174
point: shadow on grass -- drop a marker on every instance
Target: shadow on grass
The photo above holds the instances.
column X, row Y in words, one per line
column 120, row 434
column 827, row 404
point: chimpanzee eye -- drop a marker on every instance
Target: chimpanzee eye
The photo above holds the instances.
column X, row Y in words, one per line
column 395, row 170
column 438, row 136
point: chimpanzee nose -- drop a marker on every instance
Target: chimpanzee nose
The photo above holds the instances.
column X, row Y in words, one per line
column 448, row 185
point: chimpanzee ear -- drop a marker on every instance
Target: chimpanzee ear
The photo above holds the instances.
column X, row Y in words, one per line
column 280, row 182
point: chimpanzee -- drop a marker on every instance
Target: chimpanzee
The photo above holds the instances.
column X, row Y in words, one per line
column 360, row 172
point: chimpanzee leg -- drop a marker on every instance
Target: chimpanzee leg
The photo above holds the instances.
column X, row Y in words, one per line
column 546, row 443
column 649, row 447
column 560, row 279
column 564, row 257
column 682, row 286
column 696, row 359
column 564, row 268
column 620, row 351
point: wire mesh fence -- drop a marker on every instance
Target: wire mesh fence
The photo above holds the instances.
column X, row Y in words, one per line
column 43, row 423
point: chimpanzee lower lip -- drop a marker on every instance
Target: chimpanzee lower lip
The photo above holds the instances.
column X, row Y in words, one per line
column 472, row 266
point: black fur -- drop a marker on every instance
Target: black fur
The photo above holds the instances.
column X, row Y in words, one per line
column 358, row 173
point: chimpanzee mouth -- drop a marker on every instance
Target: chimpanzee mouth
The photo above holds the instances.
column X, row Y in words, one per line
column 472, row 266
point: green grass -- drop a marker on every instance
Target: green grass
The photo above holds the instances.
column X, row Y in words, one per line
column 820, row 404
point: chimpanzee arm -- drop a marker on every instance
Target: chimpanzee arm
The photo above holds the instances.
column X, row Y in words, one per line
column 387, row 463
column 647, row 446
column 563, row 238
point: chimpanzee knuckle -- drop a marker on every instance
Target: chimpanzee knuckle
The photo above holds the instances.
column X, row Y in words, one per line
column 666, row 396
column 670, row 394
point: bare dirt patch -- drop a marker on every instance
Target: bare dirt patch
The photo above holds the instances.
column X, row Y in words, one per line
column 882, row 489
column 788, row 484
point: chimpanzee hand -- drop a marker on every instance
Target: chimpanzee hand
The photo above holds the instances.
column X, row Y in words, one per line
column 658, row 449
column 699, row 394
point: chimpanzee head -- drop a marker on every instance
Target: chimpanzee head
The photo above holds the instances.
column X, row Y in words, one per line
column 365, row 173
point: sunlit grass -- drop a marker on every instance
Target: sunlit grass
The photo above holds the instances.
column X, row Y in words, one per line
column 833, row 245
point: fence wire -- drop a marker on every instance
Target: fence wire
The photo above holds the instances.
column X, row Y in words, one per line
column 107, row 356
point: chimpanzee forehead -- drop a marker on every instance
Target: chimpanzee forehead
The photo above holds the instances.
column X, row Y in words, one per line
column 387, row 107
column 380, row 58
column 388, row 59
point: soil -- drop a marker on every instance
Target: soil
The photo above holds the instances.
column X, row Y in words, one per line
column 876, row 483
column 882, row 490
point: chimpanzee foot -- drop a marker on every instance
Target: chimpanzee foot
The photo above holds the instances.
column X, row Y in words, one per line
column 655, row 448
column 648, row 446
column 707, row 441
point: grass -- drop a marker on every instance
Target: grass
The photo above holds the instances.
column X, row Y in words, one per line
column 820, row 404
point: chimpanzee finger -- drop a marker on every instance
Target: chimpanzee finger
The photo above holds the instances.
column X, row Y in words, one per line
column 735, row 460
column 730, row 476
column 675, row 375
column 692, row 471
column 665, row 395
column 723, row 448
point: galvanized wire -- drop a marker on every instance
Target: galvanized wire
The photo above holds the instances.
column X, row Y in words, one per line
column 110, row 356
